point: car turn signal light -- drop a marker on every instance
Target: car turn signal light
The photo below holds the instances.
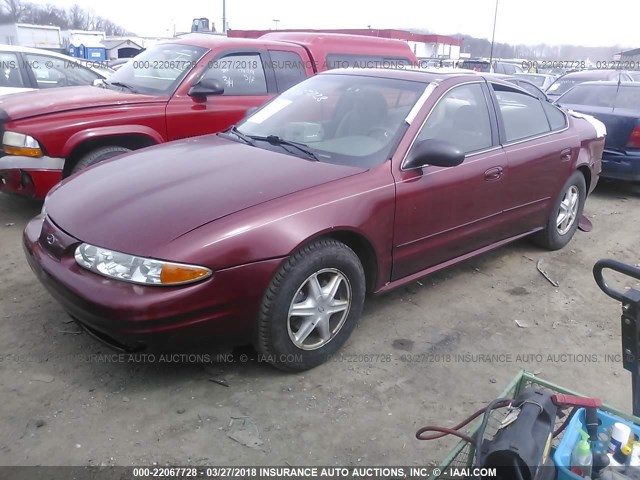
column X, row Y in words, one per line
column 173, row 274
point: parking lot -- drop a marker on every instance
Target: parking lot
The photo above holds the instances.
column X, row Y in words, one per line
column 420, row 355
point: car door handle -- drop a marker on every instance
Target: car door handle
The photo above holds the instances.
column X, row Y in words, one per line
column 493, row 174
column 565, row 155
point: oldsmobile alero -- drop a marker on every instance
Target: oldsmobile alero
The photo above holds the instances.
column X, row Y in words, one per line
column 351, row 182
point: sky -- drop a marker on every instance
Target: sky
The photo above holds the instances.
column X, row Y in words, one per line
column 576, row 22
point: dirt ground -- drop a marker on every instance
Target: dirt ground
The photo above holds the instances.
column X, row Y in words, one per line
column 67, row 400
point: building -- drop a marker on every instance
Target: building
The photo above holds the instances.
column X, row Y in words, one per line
column 122, row 47
column 629, row 55
column 35, row 36
column 423, row 45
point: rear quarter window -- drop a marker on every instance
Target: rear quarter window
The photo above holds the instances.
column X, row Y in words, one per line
column 557, row 119
column 288, row 67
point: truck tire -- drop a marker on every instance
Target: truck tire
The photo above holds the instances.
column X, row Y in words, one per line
column 98, row 155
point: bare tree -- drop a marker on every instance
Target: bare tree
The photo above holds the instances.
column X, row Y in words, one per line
column 13, row 9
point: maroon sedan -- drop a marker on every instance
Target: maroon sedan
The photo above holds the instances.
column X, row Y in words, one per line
column 351, row 182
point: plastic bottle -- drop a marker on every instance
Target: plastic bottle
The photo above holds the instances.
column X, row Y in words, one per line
column 620, row 434
column 581, row 457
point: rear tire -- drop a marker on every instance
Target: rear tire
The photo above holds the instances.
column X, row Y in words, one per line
column 311, row 306
column 565, row 214
column 98, row 155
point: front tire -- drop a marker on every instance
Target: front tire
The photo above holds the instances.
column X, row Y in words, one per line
column 565, row 214
column 311, row 306
column 98, row 155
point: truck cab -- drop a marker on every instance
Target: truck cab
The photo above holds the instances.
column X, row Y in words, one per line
column 192, row 85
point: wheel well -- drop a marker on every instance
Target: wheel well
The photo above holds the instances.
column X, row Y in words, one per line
column 363, row 249
column 587, row 175
column 133, row 142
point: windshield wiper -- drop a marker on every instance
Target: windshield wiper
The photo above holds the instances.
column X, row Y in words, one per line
column 123, row 85
column 245, row 138
column 281, row 142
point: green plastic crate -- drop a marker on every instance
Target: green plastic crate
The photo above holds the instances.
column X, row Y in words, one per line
column 462, row 454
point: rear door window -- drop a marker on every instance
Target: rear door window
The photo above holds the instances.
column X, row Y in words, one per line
column 522, row 115
column 58, row 72
column 288, row 67
column 241, row 74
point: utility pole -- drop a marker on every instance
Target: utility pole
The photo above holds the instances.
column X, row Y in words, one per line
column 493, row 37
column 224, row 16
column 275, row 21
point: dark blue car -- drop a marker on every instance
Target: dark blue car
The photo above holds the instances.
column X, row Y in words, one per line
column 617, row 105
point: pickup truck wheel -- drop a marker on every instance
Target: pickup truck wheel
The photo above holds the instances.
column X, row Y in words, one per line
column 98, row 155
column 311, row 306
column 565, row 214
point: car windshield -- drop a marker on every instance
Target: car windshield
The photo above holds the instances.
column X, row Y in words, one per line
column 561, row 85
column 537, row 80
column 476, row 65
column 343, row 119
column 607, row 96
column 158, row 70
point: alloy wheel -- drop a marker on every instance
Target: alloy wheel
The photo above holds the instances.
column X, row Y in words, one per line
column 568, row 210
column 319, row 309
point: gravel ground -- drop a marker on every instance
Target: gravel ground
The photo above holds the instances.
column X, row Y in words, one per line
column 420, row 355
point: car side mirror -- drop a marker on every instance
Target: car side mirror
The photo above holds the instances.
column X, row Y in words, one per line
column 438, row 153
column 206, row 87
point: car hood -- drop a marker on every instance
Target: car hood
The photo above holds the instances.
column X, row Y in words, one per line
column 143, row 200
column 57, row 100
column 12, row 90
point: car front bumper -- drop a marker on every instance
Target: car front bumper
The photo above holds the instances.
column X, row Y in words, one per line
column 131, row 317
column 29, row 176
column 621, row 166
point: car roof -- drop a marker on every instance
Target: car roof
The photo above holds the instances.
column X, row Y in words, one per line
column 424, row 75
column 604, row 83
column 590, row 73
column 275, row 39
column 311, row 39
column 413, row 74
column 535, row 74
column 209, row 41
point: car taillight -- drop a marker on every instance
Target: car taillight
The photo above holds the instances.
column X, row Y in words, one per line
column 634, row 138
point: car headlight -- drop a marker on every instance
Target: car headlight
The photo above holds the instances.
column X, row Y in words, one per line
column 130, row 268
column 14, row 143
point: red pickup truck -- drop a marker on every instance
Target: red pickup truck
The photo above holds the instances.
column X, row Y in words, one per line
column 191, row 85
